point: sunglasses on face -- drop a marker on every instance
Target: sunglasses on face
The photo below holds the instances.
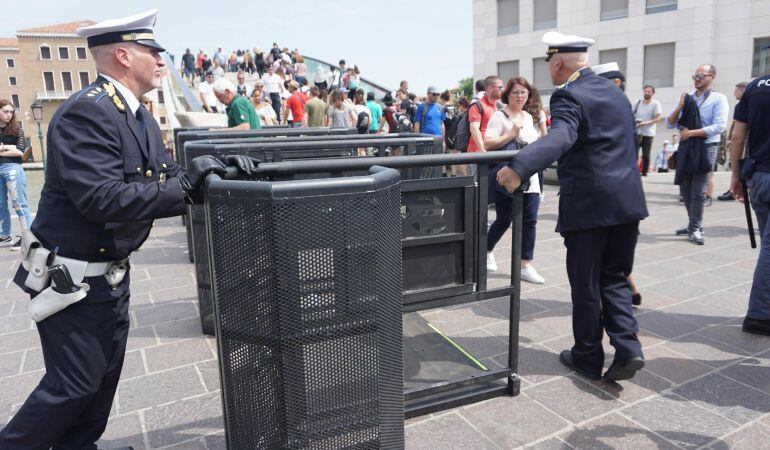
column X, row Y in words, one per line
column 700, row 76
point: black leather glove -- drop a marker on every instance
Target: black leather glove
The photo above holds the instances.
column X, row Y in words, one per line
column 192, row 179
column 246, row 165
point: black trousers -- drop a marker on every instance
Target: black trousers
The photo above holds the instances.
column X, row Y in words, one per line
column 275, row 99
column 83, row 348
column 504, row 218
column 646, row 145
column 599, row 261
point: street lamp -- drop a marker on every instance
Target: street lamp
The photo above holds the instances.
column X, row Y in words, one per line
column 37, row 114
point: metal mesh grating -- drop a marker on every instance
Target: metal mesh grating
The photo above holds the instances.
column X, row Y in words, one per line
column 196, row 231
column 200, row 250
column 308, row 306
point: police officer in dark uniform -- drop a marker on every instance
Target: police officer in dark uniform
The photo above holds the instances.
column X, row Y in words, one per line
column 601, row 202
column 752, row 119
column 108, row 177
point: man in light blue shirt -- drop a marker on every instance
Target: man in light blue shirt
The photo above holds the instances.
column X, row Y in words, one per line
column 713, row 110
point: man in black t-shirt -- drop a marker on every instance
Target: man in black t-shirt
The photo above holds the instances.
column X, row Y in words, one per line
column 752, row 118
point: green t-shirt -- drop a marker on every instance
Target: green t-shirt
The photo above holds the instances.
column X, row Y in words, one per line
column 241, row 111
column 315, row 110
column 376, row 111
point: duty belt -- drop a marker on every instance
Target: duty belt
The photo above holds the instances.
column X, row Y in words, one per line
column 762, row 166
column 36, row 260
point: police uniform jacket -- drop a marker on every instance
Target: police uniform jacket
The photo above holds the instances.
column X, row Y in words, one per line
column 592, row 136
column 106, row 180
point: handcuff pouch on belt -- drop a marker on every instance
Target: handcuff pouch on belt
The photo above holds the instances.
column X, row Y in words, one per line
column 35, row 260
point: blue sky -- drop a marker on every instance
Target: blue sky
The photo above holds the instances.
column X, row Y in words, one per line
column 424, row 41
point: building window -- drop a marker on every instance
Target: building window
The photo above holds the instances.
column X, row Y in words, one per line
column 545, row 14
column 15, row 101
column 12, row 81
column 507, row 17
column 162, row 120
column 81, row 53
column 66, row 81
column 507, row 70
column 617, row 55
column 84, row 81
column 614, row 9
column 45, row 52
column 542, row 76
column 656, row 6
column 48, row 83
column 760, row 63
column 10, row 63
column 64, row 53
column 160, row 97
column 659, row 65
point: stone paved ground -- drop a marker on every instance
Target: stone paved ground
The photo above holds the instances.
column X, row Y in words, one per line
column 706, row 383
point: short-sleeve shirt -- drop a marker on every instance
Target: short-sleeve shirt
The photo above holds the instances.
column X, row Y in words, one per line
column 434, row 118
column 754, row 110
column 647, row 111
column 296, row 104
column 475, row 116
column 340, row 117
column 499, row 123
column 241, row 111
column 315, row 108
column 375, row 110
column 208, row 93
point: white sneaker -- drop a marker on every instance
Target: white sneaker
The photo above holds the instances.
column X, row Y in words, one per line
column 491, row 264
column 530, row 275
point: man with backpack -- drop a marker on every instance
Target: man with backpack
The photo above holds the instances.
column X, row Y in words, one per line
column 429, row 117
column 470, row 130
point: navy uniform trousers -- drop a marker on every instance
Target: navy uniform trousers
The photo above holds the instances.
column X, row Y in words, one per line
column 599, row 261
column 76, row 392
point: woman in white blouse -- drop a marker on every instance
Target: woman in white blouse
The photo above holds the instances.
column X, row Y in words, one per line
column 506, row 126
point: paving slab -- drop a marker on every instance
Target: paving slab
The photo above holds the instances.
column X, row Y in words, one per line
column 706, row 382
column 679, row 421
column 614, row 432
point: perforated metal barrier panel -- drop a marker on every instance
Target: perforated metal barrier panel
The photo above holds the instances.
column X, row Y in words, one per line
column 307, row 277
column 284, row 149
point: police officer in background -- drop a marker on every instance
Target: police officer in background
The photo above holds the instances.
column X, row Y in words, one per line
column 601, row 202
column 108, row 177
column 752, row 119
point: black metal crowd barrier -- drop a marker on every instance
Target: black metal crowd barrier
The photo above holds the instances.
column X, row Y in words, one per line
column 307, row 274
column 183, row 135
column 451, row 238
column 294, row 148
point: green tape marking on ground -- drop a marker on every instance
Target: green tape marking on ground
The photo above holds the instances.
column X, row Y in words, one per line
column 457, row 346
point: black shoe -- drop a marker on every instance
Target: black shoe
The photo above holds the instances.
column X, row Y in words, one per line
column 636, row 299
column 624, row 370
column 686, row 231
column 756, row 326
column 726, row 197
column 566, row 358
